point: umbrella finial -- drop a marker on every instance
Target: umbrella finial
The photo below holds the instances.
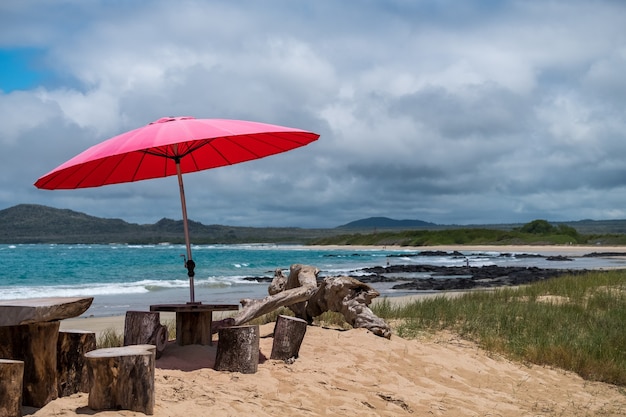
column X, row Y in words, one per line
column 171, row 119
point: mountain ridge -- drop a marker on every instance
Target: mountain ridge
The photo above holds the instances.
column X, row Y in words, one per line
column 32, row 223
column 385, row 222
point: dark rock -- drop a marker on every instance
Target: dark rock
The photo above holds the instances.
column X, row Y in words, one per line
column 558, row 258
column 434, row 253
column 443, row 278
column 603, row 254
column 479, row 277
column 258, row 279
column 528, row 255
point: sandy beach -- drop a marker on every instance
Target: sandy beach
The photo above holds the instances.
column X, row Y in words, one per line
column 355, row 373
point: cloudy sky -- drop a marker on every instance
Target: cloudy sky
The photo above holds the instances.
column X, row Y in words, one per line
column 451, row 112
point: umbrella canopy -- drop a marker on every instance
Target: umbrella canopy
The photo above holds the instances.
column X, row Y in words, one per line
column 174, row 146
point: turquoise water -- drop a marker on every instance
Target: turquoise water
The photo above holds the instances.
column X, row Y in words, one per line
column 123, row 277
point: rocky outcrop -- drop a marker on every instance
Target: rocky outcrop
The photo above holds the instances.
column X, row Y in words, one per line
column 460, row 278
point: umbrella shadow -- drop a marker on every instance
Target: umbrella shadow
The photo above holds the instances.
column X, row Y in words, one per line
column 187, row 358
column 191, row 357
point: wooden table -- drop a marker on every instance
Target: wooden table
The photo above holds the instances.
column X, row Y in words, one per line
column 36, row 310
column 29, row 331
column 194, row 321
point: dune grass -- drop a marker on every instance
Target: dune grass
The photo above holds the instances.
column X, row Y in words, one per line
column 171, row 328
column 110, row 338
column 571, row 322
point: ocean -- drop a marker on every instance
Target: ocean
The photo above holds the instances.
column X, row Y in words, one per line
column 124, row 277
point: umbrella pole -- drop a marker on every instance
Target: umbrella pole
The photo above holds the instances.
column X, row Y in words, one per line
column 189, row 263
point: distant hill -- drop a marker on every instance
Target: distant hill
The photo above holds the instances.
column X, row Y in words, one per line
column 31, row 223
column 35, row 223
column 386, row 223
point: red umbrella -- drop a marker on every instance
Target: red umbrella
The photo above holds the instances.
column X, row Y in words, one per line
column 174, row 145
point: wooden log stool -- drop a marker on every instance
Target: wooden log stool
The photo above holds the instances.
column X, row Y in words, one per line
column 238, row 349
column 144, row 327
column 11, row 380
column 36, row 345
column 72, row 376
column 122, row 378
column 288, row 335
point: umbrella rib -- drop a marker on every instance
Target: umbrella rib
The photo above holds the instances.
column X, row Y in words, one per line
column 272, row 144
column 94, row 169
column 258, row 138
column 217, row 151
column 199, row 144
column 163, row 154
column 164, row 151
column 143, row 156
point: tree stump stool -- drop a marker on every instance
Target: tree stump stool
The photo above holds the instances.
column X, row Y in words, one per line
column 72, row 376
column 11, row 381
column 144, row 327
column 238, row 349
column 36, row 345
column 122, row 378
column 288, row 335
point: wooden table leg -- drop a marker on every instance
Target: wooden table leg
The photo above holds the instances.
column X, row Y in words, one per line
column 36, row 345
column 210, row 328
column 193, row 328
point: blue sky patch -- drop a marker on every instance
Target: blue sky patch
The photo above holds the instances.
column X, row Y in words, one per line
column 21, row 69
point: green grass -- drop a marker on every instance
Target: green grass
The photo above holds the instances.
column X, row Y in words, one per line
column 571, row 322
column 171, row 328
column 535, row 232
column 110, row 338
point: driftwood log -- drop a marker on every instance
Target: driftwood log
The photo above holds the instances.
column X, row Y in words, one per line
column 122, row 378
column 292, row 291
column 72, row 372
column 36, row 345
column 301, row 292
column 11, row 378
column 351, row 298
column 144, row 327
column 238, row 349
column 288, row 335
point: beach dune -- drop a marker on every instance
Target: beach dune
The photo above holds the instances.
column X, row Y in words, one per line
column 355, row 373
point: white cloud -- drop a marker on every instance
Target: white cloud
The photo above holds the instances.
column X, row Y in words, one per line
column 449, row 113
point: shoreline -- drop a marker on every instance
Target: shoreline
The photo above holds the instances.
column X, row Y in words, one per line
column 571, row 250
column 99, row 324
